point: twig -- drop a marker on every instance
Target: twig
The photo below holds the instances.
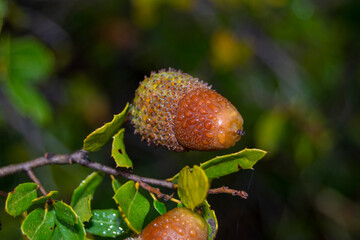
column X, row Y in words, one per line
column 36, row 180
column 233, row 192
column 156, row 191
column 80, row 157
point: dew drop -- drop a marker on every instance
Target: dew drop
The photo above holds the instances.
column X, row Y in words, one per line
column 192, row 232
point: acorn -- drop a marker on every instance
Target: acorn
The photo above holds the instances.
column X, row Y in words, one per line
column 178, row 223
column 177, row 111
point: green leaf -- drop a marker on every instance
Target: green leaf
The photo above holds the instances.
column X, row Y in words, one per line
column 65, row 213
column 132, row 204
column 30, row 60
column 159, row 206
column 64, row 231
column 227, row 164
column 118, row 151
column 192, row 186
column 19, row 200
column 180, row 204
column 115, row 184
column 27, row 62
column 107, row 223
column 210, row 218
column 29, row 101
column 83, row 208
column 43, row 199
column 95, row 140
column 86, row 187
column 82, row 195
column 39, row 225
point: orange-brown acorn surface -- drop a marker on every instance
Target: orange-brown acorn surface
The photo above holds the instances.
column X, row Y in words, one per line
column 175, row 110
column 177, row 224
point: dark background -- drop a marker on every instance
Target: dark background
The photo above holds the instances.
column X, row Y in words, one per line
column 291, row 67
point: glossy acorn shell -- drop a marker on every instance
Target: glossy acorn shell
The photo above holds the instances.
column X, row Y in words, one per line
column 176, row 224
column 206, row 121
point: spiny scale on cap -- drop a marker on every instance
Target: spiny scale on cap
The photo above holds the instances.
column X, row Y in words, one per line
column 175, row 110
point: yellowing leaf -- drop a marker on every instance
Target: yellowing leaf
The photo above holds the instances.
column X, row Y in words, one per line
column 95, row 140
column 43, row 199
column 192, row 186
column 230, row 163
column 118, row 151
column 227, row 164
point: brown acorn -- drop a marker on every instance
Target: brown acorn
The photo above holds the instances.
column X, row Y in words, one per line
column 178, row 223
column 175, row 110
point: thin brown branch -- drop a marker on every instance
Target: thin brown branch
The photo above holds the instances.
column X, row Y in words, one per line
column 79, row 157
column 36, row 180
column 156, row 191
column 227, row 190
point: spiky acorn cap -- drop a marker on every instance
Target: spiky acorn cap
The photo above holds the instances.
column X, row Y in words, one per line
column 175, row 110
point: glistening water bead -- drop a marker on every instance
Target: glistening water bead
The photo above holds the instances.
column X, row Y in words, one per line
column 177, row 111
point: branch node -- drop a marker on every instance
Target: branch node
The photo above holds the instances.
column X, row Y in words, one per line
column 83, row 154
column 49, row 155
column 156, row 191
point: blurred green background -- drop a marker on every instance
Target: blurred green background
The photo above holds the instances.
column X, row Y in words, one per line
column 291, row 67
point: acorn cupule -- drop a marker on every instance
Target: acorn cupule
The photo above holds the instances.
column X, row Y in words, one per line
column 177, row 111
